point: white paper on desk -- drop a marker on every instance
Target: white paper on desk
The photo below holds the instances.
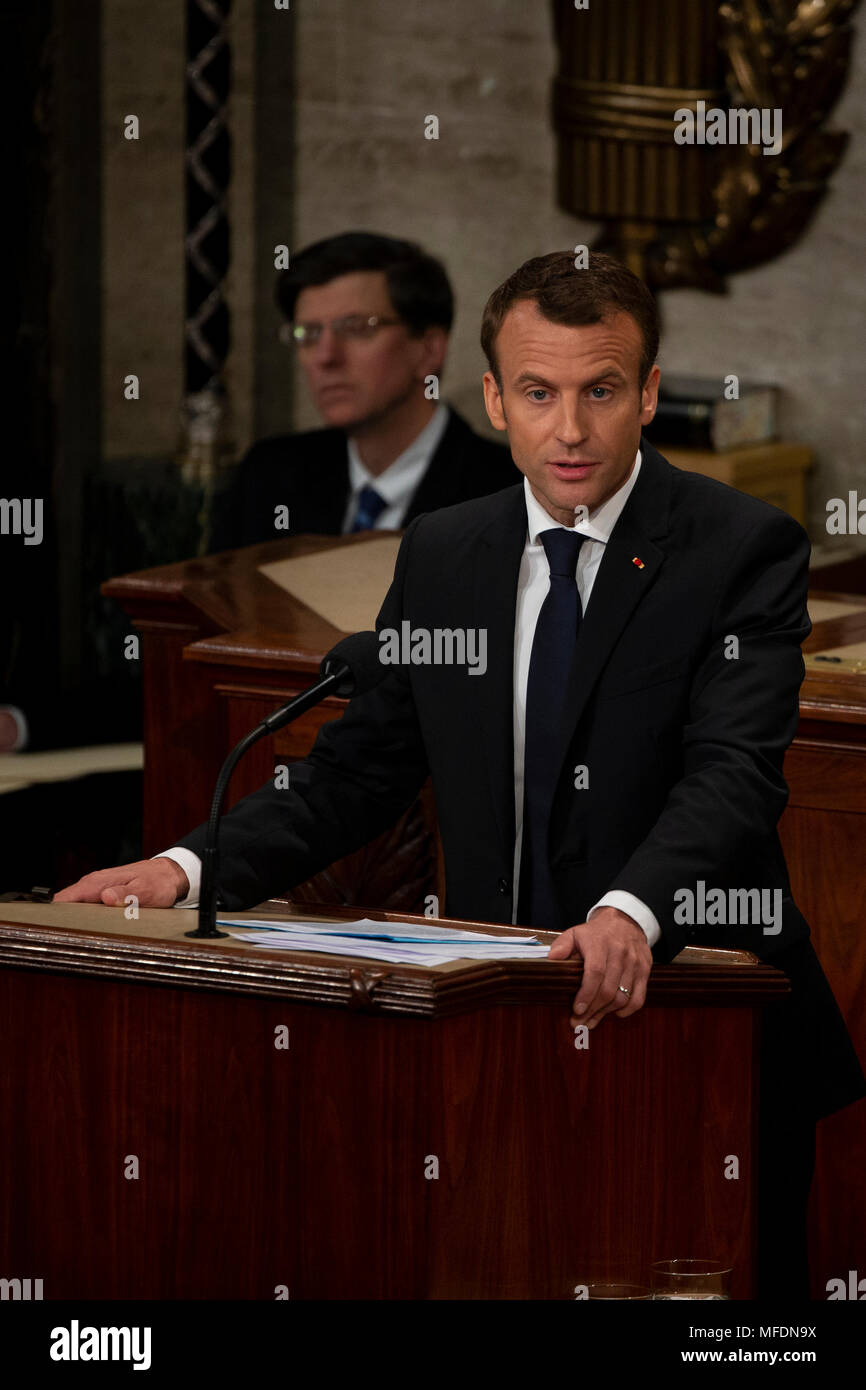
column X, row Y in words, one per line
column 365, row 928
column 345, row 584
column 405, row 953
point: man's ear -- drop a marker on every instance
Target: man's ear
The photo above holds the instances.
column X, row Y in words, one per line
column 493, row 402
column 435, row 350
column 650, row 396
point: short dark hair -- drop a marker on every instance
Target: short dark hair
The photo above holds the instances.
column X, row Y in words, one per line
column 575, row 298
column 418, row 284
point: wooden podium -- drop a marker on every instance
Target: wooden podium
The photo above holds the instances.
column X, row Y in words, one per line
column 222, row 646
column 428, row 1133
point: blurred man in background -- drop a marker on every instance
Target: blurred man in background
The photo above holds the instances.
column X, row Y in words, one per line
column 369, row 317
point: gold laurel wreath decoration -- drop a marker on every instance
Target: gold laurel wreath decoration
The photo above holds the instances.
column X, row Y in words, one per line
column 779, row 54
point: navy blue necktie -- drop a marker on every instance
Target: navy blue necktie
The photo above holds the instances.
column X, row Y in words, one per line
column 553, row 648
column 370, row 508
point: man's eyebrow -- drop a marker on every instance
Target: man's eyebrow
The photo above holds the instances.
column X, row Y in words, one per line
column 526, row 377
column 609, row 373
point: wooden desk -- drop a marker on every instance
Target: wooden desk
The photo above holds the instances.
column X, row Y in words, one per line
column 427, row 1134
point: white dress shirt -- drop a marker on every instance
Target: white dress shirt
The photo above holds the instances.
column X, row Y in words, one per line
column 532, row 586
column 399, row 480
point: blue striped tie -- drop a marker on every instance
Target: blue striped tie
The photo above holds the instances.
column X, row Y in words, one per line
column 553, row 647
column 370, row 507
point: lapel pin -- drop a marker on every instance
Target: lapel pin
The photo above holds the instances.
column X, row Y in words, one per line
column 637, row 561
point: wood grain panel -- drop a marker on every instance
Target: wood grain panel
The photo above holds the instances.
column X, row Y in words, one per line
column 307, row 1167
column 824, row 846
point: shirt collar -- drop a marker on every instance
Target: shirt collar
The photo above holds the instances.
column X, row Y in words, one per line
column 601, row 521
column 417, row 456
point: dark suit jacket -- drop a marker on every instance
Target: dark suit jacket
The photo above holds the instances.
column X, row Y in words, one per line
column 684, row 747
column 309, row 473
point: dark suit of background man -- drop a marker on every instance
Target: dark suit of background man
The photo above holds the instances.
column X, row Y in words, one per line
column 369, row 317
column 607, row 648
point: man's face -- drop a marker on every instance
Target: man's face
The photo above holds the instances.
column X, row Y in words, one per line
column 572, row 404
column 355, row 381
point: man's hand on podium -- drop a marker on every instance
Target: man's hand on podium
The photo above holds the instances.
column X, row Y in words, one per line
column 615, row 953
column 154, row 882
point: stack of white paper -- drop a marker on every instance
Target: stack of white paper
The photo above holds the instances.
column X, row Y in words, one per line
column 403, row 942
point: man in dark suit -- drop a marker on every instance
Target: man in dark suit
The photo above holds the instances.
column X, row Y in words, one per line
column 369, row 317
column 615, row 745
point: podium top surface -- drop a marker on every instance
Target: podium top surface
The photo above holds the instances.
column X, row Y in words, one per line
column 263, row 606
column 89, row 939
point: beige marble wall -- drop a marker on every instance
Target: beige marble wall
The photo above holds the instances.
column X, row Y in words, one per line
column 277, row 57
column 143, row 222
column 369, row 71
column 142, row 225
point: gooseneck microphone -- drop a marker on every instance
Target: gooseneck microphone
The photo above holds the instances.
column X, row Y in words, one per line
column 352, row 667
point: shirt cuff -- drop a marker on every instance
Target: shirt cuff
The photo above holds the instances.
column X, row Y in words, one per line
column 21, row 723
column 628, row 903
column 191, row 865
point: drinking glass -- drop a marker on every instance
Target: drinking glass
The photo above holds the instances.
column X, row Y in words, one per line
column 705, row 1279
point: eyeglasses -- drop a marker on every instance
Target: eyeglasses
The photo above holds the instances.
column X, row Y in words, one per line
column 350, row 326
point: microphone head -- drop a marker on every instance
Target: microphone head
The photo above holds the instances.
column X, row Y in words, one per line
column 355, row 660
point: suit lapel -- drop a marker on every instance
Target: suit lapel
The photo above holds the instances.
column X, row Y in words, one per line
column 325, row 494
column 447, row 458
column 494, row 598
column 334, row 495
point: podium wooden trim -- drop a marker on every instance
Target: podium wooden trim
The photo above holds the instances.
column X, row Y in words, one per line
column 356, row 982
column 309, row 1169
